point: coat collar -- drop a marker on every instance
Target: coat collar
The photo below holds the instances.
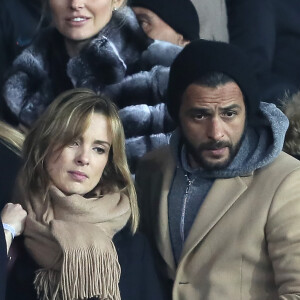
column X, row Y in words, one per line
column 163, row 239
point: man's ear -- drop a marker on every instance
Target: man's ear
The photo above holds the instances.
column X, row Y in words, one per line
column 181, row 41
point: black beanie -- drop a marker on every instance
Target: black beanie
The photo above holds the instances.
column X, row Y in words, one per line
column 202, row 57
column 181, row 15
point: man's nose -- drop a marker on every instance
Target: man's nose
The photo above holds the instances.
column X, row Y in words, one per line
column 215, row 130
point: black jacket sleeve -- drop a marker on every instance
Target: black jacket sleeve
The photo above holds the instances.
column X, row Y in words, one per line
column 3, row 262
column 139, row 277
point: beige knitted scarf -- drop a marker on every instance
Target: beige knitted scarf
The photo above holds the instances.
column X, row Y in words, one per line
column 70, row 237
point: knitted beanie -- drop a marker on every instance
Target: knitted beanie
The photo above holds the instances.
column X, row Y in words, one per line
column 202, row 57
column 181, row 15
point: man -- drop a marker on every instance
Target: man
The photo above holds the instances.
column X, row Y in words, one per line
column 213, row 19
column 269, row 31
column 291, row 108
column 173, row 21
column 221, row 203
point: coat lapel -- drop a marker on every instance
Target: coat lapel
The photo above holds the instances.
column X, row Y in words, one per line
column 163, row 233
column 219, row 200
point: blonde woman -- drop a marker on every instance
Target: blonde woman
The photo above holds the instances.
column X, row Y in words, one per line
column 82, row 212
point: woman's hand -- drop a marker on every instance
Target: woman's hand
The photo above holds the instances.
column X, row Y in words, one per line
column 13, row 215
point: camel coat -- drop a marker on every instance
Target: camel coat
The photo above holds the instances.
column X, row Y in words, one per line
column 245, row 241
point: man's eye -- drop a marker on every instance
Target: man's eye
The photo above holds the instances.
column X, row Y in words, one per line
column 199, row 116
column 230, row 114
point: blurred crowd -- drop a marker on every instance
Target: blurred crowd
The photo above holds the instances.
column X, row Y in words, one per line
column 125, row 54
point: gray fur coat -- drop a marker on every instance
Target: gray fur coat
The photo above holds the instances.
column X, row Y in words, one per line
column 121, row 62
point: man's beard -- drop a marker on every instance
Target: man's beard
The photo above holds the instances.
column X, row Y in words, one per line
column 213, row 145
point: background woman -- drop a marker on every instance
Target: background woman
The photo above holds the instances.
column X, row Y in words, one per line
column 96, row 44
column 11, row 142
column 78, row 192
column 11, row 225
column 12, row 215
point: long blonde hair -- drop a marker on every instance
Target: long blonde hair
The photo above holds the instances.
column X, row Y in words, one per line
column 11, row 137
column 66, row 119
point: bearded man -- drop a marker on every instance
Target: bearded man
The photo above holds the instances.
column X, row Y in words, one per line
column 221, row 203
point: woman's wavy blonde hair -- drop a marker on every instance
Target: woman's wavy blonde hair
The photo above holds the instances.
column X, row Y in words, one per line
column 66, row 119
column 12, row 138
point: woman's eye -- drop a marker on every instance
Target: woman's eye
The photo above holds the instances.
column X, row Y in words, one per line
column 74, row 144
column 99, row 150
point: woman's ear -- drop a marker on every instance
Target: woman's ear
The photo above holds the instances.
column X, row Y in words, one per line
column 116, row 4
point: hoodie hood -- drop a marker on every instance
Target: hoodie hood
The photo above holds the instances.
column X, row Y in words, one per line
column 261, row 145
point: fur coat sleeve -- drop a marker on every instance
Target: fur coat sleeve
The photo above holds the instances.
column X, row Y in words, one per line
column 140, row 120
column 146, row 128
column 136, row 147
column 28, row 89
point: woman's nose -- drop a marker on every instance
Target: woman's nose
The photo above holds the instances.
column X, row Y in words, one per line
column 77, row 4
column 82, row 158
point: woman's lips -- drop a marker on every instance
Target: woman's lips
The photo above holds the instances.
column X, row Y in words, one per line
column 77, row 21
column 78, row 176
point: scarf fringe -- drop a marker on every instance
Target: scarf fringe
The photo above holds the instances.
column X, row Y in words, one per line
column 84, row 274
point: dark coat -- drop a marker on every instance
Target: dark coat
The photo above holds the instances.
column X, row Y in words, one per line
column 287, row 48
column 121, row 62
column 139, row 279
column 3, row 262
column 269, row 32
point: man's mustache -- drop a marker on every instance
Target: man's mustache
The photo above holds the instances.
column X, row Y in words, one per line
column 215, row 145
